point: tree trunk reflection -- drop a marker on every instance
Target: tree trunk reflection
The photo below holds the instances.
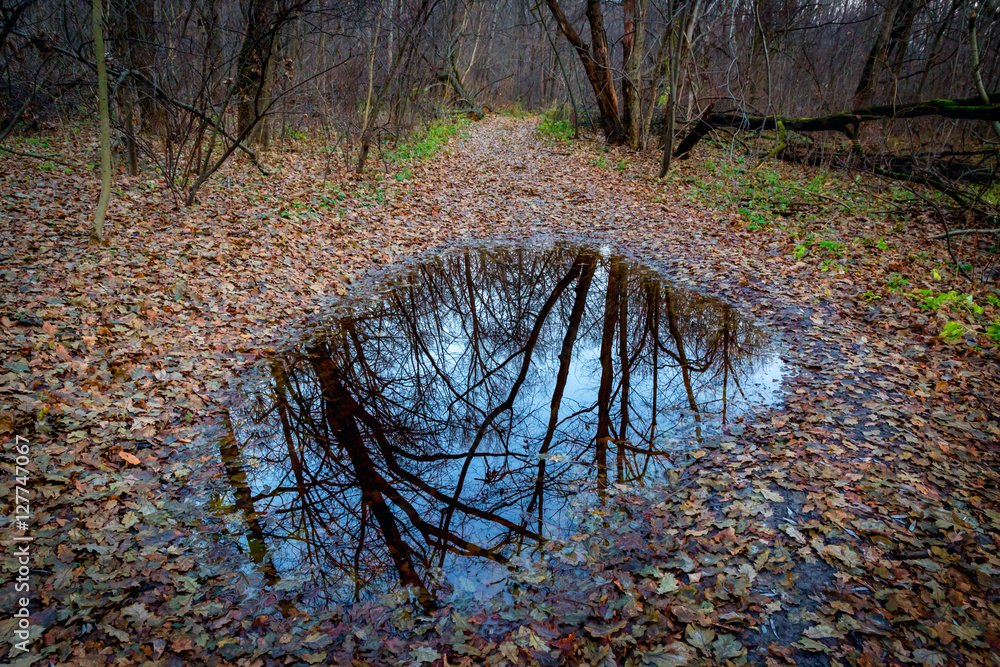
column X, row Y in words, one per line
column 443, row 429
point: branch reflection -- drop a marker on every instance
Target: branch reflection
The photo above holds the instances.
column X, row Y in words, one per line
column 432, row 437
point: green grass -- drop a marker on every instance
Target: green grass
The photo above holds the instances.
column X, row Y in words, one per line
column 551, row 130
column 760, row 196
column 427, row 143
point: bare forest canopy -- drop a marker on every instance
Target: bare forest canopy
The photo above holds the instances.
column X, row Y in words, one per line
column 193, row 83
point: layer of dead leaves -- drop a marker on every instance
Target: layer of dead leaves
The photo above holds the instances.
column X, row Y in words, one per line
column 855, row 524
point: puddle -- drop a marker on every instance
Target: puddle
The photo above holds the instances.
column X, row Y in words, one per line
column 445, row 429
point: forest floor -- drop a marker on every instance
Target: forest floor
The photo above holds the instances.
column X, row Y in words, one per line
column 855, row 523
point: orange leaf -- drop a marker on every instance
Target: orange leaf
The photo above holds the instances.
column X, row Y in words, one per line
column 134, row 460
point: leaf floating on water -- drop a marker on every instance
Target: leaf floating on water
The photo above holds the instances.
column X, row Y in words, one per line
column 424, row 654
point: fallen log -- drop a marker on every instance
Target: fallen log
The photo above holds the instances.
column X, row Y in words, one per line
column 845, row 122
column 700, row 129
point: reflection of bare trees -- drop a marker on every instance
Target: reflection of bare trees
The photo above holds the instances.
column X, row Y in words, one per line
column 442, row 429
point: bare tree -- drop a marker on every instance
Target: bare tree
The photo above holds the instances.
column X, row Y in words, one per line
column 97, row 228
column 596, row 60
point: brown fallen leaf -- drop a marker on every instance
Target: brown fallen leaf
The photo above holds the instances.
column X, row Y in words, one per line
column 129, row 458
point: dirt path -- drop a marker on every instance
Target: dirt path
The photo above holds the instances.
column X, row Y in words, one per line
column 856, row 524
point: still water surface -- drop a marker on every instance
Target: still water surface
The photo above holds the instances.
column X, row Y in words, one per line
column 436, row 434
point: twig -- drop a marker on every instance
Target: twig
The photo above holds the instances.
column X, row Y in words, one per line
column 157, row 93
column 780, row 145
column 947, row 237
column 959, row 197
column 50, row 158
column 17, row 116
column 962, row 232
column 836, row 200
column 897, row 204
column 24, row 107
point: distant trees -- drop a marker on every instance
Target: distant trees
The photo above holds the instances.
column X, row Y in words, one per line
column 595, row 57
column 193, row 84
column 252, row 62
column 887, row 50
column 761, row 57
column 10, row 17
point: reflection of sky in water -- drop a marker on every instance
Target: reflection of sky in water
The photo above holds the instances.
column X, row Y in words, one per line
column 415, row 403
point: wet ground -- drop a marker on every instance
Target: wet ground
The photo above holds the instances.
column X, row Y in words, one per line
column 853, row 523
column 466, row 414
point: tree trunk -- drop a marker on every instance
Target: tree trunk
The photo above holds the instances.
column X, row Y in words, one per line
column 632, row 55
column 132, row 42
column 628, row 47
column 668, row 135
column 685, row 364
column 562, row 69
column 401, row 56
column 899, row 38
column 845, row 122
column 376, row 491
column 213, row 46
column 675, row 46
column 251, row 67
column 589, row 263
column 230, row 455
column 139, row 51
column 623, row 362
column 97, row 229
column 133, row 156
column 977, row 75
column 596, row 61
column 876, row 60
column 934, row 53
column 607, row 99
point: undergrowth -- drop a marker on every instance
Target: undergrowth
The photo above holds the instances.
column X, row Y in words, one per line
column 556, row 125
column 860, row 232
column 428, row 142
column 551, row 130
